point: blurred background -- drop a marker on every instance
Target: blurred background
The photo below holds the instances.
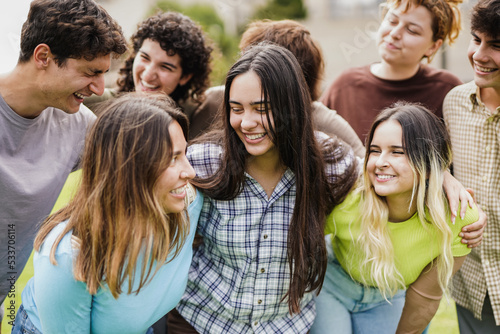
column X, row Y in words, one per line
column 344, row 28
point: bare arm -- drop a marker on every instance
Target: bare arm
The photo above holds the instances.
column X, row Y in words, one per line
column 422, row 299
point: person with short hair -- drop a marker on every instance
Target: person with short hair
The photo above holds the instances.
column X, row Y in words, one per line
column 66, row 47
column 471, row 114
column 411, row 31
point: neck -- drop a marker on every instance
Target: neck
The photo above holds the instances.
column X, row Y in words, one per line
column 386, row 71
column 267, row 172
column 490, row 97
column 18, row 89
column 400, row 209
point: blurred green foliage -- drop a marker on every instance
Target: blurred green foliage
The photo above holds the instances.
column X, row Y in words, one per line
column 225, row 45
column 282, row 9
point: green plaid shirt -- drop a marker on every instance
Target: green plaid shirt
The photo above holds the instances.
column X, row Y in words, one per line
column 475, row 137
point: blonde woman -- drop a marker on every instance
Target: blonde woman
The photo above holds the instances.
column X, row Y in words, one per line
column 116, row 258
column 393, row 232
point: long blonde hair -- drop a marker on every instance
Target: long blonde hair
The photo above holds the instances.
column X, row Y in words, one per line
column 116, row 214
column 427, row 147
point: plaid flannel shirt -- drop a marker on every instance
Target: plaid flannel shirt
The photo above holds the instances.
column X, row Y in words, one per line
column 240, row 274
column 475, row 136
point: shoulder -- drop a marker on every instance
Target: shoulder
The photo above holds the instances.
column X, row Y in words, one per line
column 64, row 246
column 205, row 158
column 339, row 156
column 471, row 216
column 440, row 75
column 95, row 100
column 459, row 94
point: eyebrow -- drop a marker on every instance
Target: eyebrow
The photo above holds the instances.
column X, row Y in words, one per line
column 392, row 146
column 164, row 62
column 96, row 71
column 492, row 41
column 410, row 23
column 251, row 103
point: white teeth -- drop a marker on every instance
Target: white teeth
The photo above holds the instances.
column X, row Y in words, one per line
column 484, row 69
column 78, row 95
column 145, row 84
column 385, row 177
column 255, row 136
column 178, row 190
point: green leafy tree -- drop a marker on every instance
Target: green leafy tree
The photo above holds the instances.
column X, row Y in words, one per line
column 225, row 45
column 282, row 9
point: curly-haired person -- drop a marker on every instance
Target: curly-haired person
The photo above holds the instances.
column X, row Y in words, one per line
column 169, row 53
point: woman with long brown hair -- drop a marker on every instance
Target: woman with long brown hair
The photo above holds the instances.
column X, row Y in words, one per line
column 125, row 238
column 269, row 181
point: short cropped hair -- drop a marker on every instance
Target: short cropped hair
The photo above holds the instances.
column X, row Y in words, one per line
column 72, row 29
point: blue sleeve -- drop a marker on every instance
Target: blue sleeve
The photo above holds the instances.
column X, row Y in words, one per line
column 64, row 304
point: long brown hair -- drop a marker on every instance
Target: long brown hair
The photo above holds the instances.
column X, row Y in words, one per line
column 294, row 138
column 116, row 214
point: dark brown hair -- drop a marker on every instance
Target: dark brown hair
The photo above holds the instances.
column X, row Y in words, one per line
column 176, row 34
column 485, row 18
column 293, row 136
column 296, row 38
column 72, row 29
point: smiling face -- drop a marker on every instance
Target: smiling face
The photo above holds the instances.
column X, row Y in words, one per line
column 387, row 167
column 248, row 115
column 153, row 70
column 484, row 56
column 404, row 38
column 65, row 87
column 171, row 185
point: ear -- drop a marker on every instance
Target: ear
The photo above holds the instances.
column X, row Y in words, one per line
column 42, row 56
column 433, row 48
column 185, row 78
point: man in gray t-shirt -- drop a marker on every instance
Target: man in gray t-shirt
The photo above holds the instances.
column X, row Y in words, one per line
column 66, row 47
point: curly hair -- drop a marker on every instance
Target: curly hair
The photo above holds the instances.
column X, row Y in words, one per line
column 446, row 18
column 72, row 29
column 176, row 34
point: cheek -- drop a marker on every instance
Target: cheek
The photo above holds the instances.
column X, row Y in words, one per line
column 235, row 121
column 471, row 50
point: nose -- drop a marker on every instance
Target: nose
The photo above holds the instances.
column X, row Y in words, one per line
column 148, row 72
column 480, row 53
column 187, row 172
column 97, row 85
column 396, row 32
column 381, row 161
column 248, row 120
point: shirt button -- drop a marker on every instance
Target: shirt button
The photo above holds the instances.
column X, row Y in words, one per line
column 263, row 270
column 256, row 323
column 259, row 301
column 485, row 178
column 485, row 235
column 265, row 236
column 487, row 148
column 486, row 262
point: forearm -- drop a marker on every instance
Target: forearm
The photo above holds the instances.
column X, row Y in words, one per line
column 417, row 312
